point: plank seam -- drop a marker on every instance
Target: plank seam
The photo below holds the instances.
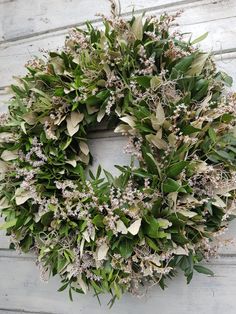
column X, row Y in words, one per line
column 23, row 311
column 68, row 26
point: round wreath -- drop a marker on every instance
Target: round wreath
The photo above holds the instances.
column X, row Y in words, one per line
column 166, row 210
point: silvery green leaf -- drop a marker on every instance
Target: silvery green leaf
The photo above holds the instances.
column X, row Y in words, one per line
column 187, row 213
column 102, row 251
column 200, row 38
column 8, row 155
column 155, row 82
column 71, row 162
column 198, row 64
column 164, row 223
column 21, row 196
column 82, row 284
column 180, row 251
column 120, row 227
column 8, row 224
column 101, row 115
column 137, row 27
column 129, row 120
column 122, row 128
column 73, row 121
column 84, row 147
column 135, row 226
column 157, row 141
column 4, row 203
column 218, row 202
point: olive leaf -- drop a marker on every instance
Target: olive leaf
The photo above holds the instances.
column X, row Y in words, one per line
column 129, row 120
column 21, row 196
column 137, row 27
column 200, row 38
column 187, row 213
column 4, row 203
column 155, row 82
column 73, row 121
column 8, row 155
column 102, row 251
column 198, row 64
column 84, row 147
column 135, row 226
column 157, row 141
column 120, row 227
column 8, row 224
column 160, row 114
column 82, row 284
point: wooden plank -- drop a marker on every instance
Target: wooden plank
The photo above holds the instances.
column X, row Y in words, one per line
column 37, row 17
column 18, row 311
column 4, row 98
column 198, row 18
column 21, row 288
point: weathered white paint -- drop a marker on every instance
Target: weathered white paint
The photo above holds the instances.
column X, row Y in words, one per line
column 26, row 26
column 20, row 288
column 199, row 17
column 43, row 16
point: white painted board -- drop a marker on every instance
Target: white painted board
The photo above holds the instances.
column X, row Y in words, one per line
column 29, row 25
column 21, row 288
column 199, row 17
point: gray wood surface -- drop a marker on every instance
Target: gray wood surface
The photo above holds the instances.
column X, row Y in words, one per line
column 26, row 26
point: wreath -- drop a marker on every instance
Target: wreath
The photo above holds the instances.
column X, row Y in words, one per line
column 166, row 209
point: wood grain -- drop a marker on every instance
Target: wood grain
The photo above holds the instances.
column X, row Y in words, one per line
column 199, row 17
column 26, row 26
column 20, row 288
column 42, row 16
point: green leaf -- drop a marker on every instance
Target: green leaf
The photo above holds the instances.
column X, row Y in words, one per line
column 182, row 66
column 126, row 248
column 109, row 176
column 151, row 227
column 189, row 277
column 189, row 129
column 200, row 38
column 8, row 224
column 26, row 243
column 143, row 81
column 63, row 287
column 152, row 244
column 171, row 185
column 155, row 82
column 198, row 64
column 212, row 134
column 203, row 270
column 175, row 169
column 98, row 220
column 117, row 290
column 228, row 80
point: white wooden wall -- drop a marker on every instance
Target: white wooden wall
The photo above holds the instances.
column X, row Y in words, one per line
column 26, row 26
